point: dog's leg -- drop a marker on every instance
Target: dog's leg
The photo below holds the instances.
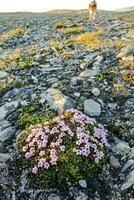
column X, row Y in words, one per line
column 89, row 16
column 94, row 15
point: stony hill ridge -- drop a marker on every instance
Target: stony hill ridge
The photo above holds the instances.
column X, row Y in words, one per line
column 53, row 62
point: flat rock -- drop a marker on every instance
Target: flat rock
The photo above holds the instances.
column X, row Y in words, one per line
column 6, row 134
column 92, row 108
column 57, row 100
column 91, row 73
column 129, row 181
column 7, row 109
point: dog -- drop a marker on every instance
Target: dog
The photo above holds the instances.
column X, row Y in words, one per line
column 92, row 10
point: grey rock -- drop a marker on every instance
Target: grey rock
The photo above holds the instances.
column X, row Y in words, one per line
column 129, row 181
column 6, row 134
column 83, row 183
column 92, row 108
column 128, row 164
column 7, row 109
column 114, row 162
column 122, row 148
column 54, row 197
column 4, row 157
column 95, row 91
column 18, row 92
column 91, row 73
column 57, row 100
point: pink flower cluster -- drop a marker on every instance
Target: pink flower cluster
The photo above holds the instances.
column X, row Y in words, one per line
column 46, row 143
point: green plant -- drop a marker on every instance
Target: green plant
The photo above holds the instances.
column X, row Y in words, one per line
column 67, row 148
column 33, row 113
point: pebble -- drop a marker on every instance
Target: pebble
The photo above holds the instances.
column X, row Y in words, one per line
column 92, row 108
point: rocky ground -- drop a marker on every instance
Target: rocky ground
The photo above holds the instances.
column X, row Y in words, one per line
column 43, row 69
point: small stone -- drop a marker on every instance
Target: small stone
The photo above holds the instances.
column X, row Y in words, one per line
column 83, row 183
column 77, row 94
column 112, row 105
column 92, row 108
column 114, row 162
column 95, row 92
column 54, row 197
column 128, row 164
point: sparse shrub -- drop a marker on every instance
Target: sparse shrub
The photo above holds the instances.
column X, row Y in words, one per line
column 118, row 89
column 16, row 59
column 67, row 148
column 7, row 35
column 59, row 25
column 91, row 38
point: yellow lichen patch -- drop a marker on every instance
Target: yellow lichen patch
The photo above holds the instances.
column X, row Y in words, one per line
column 91, row 38
column 7, row 35
column 77, row 29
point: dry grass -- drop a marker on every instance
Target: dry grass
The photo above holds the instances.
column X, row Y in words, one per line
column 127, row 64
column 118, row 89
column 6, row 83
column 122, row 43
column 91, row 38
column 77, row 29
column 7, row 35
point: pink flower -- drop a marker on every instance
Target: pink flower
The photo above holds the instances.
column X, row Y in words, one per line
column 42, row 153
column 35, row 170
column 62, row 148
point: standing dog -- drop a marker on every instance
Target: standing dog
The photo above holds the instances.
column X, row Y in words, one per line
column 92, row 10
